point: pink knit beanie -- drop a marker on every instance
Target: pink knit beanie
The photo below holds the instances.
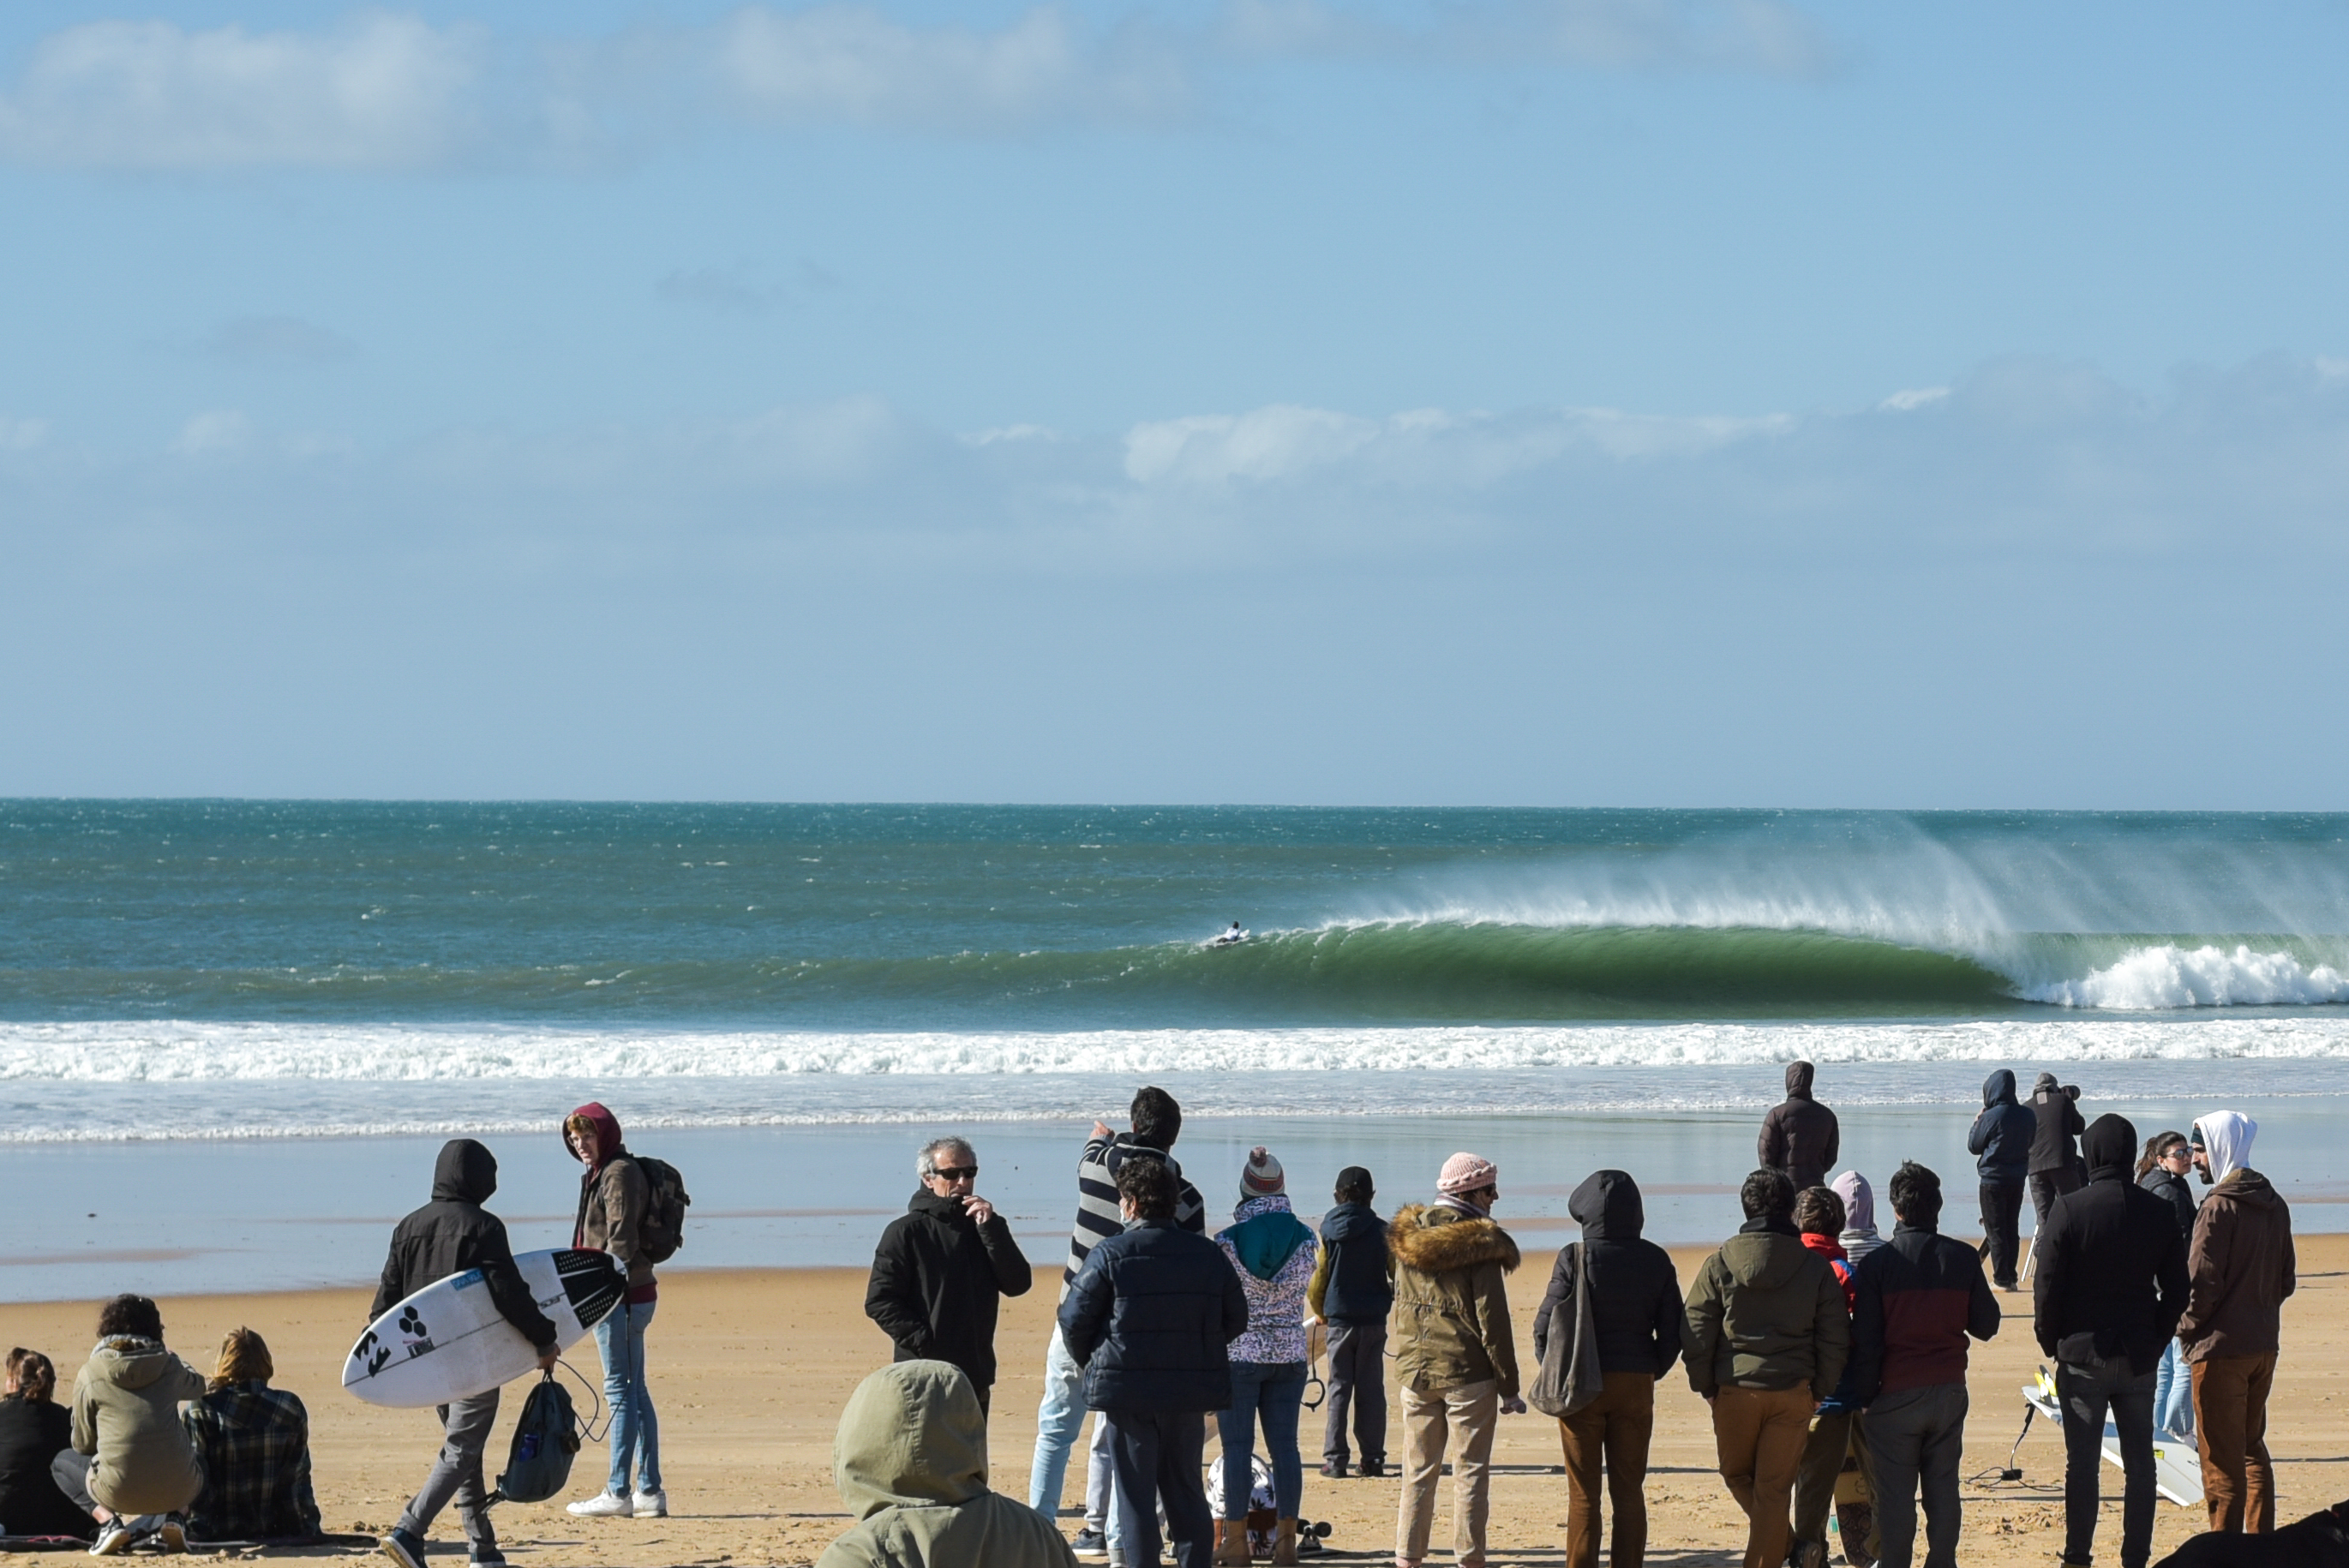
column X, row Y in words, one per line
column 1466, row 1172
column 1261, row 1177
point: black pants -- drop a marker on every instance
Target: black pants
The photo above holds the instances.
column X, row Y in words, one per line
column 1357, row 1384
column 2047, row 1186
column 1159, row 1458
column 2002, row 1222
column 2086, row 1394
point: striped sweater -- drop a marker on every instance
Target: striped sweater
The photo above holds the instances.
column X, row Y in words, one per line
column 1098, row 1214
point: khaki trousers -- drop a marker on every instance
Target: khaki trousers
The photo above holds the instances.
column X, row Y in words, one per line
column 1760, row 1434
column 1428, row 1418
column 1615, row 1426
column 2231, row 1423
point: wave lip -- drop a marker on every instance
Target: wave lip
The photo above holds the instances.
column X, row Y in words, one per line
column 2167, row 978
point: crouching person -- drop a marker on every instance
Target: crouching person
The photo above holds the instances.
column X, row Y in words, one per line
column 253, row 1442
column 131, row 1467
column 1151, row 1317
column 910, row 1460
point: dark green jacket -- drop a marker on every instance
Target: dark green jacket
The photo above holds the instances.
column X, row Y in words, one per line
column 1766, row 1312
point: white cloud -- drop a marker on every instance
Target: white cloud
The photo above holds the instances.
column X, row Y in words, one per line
column 381, row 92
column 1914, row 398
column 214, row 433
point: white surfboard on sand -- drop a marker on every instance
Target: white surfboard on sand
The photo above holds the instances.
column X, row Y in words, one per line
column 448, row 1342
column 2177, row 1468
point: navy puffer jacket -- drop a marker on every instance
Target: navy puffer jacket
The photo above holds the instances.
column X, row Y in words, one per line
column 1151, row 1318
column 2001, row 1135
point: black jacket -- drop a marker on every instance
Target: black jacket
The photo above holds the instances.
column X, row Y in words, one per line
column 2111, row 1276
column 1151, row 1317
column 1635, row 1292
column 1915, row 1299
column 452, row 1234
column 2172, row 1188
column 2003, row 1134
column 1361, row 1286
column 1799, row 1136
column 2056, row 1121
column 31, row 1438
column 937, row 1279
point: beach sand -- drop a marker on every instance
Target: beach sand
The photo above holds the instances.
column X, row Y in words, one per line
column 750, row 1368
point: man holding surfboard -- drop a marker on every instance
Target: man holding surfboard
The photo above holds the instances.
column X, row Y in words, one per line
column 449, row 1235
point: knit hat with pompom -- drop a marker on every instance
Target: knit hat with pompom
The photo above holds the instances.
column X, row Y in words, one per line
column 1262, row 1177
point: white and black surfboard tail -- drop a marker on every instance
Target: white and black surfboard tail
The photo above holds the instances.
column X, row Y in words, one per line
column 592, row 1283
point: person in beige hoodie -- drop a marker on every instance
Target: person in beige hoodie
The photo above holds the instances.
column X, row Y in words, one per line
column 131, row 1467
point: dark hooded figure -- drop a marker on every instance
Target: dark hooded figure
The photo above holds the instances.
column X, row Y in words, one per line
column 448, row 1235
column 1799, row 1136
column 1635, row 1301
column 2055, row 1164
column 2111, row 1281
column 2000, row 1144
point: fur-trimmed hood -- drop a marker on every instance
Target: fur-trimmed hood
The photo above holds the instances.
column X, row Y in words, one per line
column 1435, row 1238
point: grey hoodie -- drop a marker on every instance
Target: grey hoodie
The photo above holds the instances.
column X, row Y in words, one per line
column 125, row 1412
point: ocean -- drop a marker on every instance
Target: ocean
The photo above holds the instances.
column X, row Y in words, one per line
column 275, row 1010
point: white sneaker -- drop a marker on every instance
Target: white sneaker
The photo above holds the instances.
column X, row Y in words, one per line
column 113, row 1539
column 650, row 1505
column 603, row 1505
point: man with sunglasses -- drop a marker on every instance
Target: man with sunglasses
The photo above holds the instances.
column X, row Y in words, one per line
column 942, row 1265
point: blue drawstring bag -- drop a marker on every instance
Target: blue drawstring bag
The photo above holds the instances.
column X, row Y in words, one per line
column 538, row 1465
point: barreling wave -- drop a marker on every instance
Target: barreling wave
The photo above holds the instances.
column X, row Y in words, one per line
column 1417, row 970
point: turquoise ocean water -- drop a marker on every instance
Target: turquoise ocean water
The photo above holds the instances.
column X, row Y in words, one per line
column 284, row 995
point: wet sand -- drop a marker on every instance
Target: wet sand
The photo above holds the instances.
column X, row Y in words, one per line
column 750, row 1368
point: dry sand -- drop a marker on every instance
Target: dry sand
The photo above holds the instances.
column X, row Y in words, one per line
column 749, row 1369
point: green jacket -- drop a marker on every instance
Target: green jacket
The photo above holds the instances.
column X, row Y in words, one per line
column 125, row 1413
column 1766, row 1312
column 910, row 1460
column 1451, row 1300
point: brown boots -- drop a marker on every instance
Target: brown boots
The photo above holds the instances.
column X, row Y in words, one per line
column 1284, row 1546
column 1231, row 1543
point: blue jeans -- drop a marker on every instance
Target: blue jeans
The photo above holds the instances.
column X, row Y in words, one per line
column 1271, row 1392
column 2173, row 1393
column 636, row 1430
column 1059, row 1418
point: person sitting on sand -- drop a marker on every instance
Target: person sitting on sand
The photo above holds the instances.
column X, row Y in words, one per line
column 910, row 1460
column 131, row 1467
column 253, row 1442
column 34, row 1429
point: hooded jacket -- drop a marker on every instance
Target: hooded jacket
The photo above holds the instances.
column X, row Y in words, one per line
column 2175, row 1191
column 2241, row 1264
column 1451, row 1322
column 2110, row 1279
column 1767, row 1312
column 2003, row 1133
column 1353, row 1283
column 452, row 1234
column 613, row 1198
column 1272, row 1253
column 1799, row 1135
column 1151, row 1317
column 1916, row 1298
column 938, row 1278
column 125, row 1413
column 910, row 1461
column 2056, row 1121
column 1635, row 1292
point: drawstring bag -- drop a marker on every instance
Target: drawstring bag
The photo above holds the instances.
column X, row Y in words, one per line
column 538, row 1466
column 1571, row 1377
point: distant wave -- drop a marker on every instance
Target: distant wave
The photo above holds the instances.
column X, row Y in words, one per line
column 2168, row 976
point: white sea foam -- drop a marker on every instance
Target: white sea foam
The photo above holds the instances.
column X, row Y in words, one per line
column 2155, row 978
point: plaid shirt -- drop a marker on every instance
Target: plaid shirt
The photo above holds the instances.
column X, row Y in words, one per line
column 254, row 1443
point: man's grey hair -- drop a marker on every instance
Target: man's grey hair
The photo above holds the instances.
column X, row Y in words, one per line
column 925, row 1163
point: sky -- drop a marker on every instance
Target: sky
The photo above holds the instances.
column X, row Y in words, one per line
column 1514, row 402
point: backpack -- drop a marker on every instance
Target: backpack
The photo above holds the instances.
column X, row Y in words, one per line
column 546, row 1435
column 663, row 1231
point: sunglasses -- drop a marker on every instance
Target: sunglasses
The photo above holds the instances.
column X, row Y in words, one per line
column 956, row 1173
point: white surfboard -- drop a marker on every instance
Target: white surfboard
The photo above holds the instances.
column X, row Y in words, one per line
column 2177, row 1468
column 448, row 1342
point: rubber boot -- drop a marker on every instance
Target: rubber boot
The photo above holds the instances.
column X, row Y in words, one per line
column 1283, row 1545
column 1231, row 1543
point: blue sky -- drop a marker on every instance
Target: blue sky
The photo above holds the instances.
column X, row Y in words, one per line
column 1496, row 401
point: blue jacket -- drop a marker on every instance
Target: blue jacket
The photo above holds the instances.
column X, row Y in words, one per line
column 2001, row 1135
column 1361, row 1289
column 1149, row 1318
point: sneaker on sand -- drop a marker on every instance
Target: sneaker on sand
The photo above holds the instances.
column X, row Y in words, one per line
column 650, row 1504
column 172, row 1534
column 113, row 1540
column 1334, row 1468
column 603, row 1505
column 403, row 1547
column 1089, row 1546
